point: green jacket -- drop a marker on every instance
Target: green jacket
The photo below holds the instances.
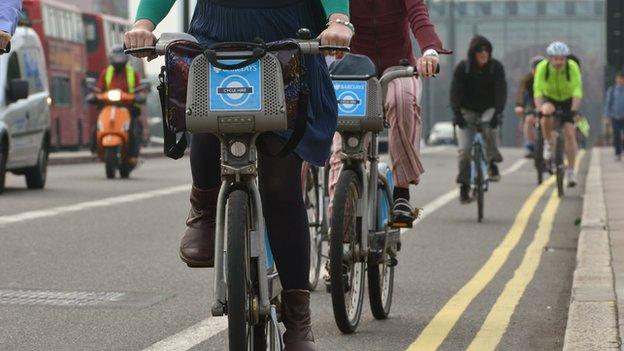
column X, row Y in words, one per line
column 558, row 85
column 156, row 10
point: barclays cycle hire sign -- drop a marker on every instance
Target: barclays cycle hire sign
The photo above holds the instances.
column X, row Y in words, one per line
column 236, row 90
column 351, row 96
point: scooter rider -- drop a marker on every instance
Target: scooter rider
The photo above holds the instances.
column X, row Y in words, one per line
column 9, row 15
column 120, row 75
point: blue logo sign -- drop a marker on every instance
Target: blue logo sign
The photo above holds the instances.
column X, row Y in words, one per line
column 351, row 96
column 236, row 90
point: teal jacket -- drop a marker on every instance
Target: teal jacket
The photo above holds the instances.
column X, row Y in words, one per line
column 156, row 10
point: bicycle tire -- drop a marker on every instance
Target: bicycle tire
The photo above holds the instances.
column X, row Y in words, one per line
column 539, row 155
column 238, row 302
column 380, row 269
column 351, row 290
column 479, row 186
column 312, row 197
column 559, row 165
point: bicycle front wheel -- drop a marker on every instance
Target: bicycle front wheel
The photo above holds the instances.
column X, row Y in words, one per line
column 559, row 164
column 243, row 334
column 312, row 199
column 479, row 180
column 346, row 268
column 382, row 262
column 539, row 156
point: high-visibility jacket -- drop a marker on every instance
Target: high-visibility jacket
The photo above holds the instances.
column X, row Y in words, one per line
column 130, row 76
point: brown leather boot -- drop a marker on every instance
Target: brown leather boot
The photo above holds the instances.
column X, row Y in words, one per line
column 197, row 245
column 295, row 308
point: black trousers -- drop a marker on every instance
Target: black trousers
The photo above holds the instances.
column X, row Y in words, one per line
column 282, row 202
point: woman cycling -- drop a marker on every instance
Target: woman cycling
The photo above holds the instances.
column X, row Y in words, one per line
column 279, row 178
column 383, row 34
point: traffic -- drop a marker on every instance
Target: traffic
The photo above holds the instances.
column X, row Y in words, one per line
column 282, row 117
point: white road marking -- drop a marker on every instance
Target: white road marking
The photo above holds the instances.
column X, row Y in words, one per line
column 110, row 201
column 191, row 336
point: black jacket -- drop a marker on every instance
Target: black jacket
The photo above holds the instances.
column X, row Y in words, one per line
column 478, row 88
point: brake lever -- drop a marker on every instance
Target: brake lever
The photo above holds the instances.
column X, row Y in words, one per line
column 335, row 48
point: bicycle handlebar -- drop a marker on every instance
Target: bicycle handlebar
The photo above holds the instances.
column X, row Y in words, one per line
column 308, row 47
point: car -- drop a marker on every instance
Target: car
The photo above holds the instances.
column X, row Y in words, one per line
column 442, row 133
column 24, row 110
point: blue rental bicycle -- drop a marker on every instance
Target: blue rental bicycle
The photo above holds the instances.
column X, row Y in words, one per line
column 246, row 282
column 361, row 239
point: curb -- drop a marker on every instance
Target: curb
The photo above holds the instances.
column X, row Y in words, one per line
column 82, row 157
column 592, row 317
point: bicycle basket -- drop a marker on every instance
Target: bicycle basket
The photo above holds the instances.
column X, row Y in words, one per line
column 358, row 93
column 236, row 88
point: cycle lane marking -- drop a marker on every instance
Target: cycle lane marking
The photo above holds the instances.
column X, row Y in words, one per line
column 440, row 326
column 81, row 206
column 498, row 318
column 192, row 336
column 210, row 327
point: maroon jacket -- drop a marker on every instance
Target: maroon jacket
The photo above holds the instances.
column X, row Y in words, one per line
column 382, row 30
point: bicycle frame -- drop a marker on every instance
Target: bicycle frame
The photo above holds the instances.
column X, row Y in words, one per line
column 478, row 140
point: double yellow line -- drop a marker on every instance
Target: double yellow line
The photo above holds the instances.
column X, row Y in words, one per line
column 497, row 320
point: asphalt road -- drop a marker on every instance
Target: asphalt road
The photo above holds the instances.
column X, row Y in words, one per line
column 91, row 264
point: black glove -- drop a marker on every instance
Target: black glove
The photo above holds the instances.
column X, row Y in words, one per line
column 459, row 121
column 496, row 120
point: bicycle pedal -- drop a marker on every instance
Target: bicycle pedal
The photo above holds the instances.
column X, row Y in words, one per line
column 400, row 225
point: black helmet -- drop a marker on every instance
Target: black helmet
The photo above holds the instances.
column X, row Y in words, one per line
column 117, row 57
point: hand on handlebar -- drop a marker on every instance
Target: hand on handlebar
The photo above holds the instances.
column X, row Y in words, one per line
column 459, row 121
column 141, row 36
column 336, row 34
column 5, row 39
column 427, row 66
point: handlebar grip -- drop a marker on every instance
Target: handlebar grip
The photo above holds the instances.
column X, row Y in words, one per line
column 335, row 48
column 437, row 71
column 146, row 50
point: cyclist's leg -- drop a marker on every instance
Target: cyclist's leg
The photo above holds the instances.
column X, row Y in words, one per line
column 287, row 224
column 465, row 137
column 492, row 153
column 571, row 146
column 547, row 109
column 197, row 245
column 403, row 114
column 529, row 129
column 335, row 165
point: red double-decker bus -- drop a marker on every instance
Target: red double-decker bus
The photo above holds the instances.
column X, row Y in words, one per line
column 61, row 30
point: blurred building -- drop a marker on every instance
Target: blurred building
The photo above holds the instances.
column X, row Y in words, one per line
column 117, row 8
column 519, row 30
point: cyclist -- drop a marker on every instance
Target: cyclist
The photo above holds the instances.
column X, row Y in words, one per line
column 9, row 15
column 280, row 181
column 383, row 34
column 120, row 75
column 558, row 85
column 525, row 107
column 478, row 93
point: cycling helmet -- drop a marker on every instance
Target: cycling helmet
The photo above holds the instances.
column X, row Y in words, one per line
column 557, row 48
column 535, row 60
column 117, row 57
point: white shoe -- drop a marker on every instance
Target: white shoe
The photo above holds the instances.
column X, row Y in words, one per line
column 547, row 153
column 571, row 178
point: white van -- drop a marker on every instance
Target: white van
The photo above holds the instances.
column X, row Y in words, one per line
column 24, row 110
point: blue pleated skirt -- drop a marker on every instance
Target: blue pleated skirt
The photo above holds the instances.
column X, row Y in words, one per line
column 217, row 23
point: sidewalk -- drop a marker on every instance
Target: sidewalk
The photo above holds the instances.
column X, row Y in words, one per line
column 85, row 156
column 597, row 299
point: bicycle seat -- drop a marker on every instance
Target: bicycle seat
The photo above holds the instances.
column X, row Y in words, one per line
column 353, row 66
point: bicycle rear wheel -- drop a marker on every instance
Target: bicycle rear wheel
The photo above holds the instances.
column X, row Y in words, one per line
column 559, row 164
column 312, row 198
column 346, row 267
column 479, row 180
column 381, row 263
column 243, row 332
column 539, row 155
